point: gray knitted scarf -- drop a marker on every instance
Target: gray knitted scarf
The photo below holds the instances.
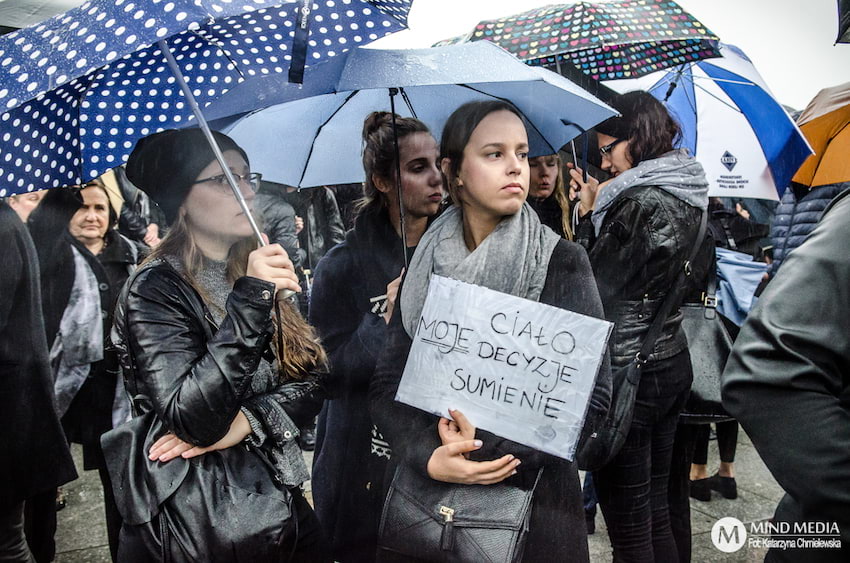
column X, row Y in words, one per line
column 675, row 172
column 513, row 259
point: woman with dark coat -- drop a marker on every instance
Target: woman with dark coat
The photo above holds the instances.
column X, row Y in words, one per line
column 639, row 229
column 490, row 237
column 34, row 453
column 84, row 262
column 353, row 298
column 194, row 329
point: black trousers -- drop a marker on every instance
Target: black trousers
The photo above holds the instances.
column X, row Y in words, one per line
column 13, row 544
column 634, row 489
column 727, row 442
column 40, row 525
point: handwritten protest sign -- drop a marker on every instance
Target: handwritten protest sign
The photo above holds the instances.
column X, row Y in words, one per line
column 519, row 369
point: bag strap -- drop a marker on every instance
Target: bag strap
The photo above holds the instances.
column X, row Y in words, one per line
column 673, row 297
column 709, row 296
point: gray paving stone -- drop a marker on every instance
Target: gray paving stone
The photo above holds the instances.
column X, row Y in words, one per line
column 81, row 535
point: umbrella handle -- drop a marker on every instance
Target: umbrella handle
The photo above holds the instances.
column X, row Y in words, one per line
column 204, row 126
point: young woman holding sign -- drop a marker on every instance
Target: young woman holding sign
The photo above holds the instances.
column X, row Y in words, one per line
column 490, row 237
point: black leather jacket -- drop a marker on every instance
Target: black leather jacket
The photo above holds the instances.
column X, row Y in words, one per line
column 646, row 236
column 196, row 375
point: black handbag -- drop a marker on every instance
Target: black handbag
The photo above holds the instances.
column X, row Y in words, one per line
column 223, row 505
column 606, row 441
column 709, row 344
column 430, row 520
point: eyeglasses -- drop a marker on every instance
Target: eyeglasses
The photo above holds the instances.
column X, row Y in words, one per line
column 606, row 150
column 220, row 181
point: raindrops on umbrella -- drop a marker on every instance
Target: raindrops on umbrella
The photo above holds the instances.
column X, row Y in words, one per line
column 80, row 88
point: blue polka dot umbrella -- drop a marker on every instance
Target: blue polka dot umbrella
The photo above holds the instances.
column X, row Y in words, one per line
column 78, row 90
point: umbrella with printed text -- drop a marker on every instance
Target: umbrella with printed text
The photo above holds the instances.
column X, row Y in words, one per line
column 743, row 137
column 606, row 39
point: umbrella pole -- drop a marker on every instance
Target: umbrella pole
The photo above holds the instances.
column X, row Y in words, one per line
column 187, row 93
column 393, row 92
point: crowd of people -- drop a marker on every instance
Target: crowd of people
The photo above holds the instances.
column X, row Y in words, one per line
column 155, row 334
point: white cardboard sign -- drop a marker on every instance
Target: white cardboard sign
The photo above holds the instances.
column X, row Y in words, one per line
column 517, row 368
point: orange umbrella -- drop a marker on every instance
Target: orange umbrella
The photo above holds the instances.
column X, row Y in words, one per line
column 826, row 124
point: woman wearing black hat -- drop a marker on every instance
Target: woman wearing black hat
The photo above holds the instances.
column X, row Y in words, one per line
column 194, row 328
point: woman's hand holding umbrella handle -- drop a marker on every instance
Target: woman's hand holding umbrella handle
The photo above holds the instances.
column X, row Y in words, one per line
column 587, row 191
column 271, row 263
column 170, row 446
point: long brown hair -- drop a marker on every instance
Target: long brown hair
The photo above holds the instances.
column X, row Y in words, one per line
column 303, row 354
column 560, row 193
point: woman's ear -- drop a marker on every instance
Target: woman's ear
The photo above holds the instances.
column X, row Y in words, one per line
column 381, row 184
column 445, row 167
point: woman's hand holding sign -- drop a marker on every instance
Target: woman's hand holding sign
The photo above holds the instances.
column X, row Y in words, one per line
column 448, row 463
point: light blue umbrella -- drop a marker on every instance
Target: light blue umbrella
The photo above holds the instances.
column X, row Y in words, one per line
column 310, row 135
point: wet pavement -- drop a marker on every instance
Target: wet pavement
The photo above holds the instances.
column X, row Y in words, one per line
column 81, row 535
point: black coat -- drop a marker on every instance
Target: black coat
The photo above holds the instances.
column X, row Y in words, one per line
column 278, row 220
column 33, row 448
column 787, row 382
column 558, row 531
column 550, row 213
column 323, row 228
column 346, row 309
column 90, row 413
column 645, row 238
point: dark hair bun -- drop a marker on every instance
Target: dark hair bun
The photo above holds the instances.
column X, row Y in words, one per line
column 374, row 121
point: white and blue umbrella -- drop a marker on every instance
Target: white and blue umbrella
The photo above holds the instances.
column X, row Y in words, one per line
column 746, row 141
column 316, row 140
column 78, row 90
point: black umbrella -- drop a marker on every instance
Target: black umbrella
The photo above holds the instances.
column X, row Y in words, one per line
column 843, row 21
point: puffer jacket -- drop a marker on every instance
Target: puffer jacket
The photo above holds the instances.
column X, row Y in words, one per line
column 646, row 236
column 195, row 375
column 796, row 217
